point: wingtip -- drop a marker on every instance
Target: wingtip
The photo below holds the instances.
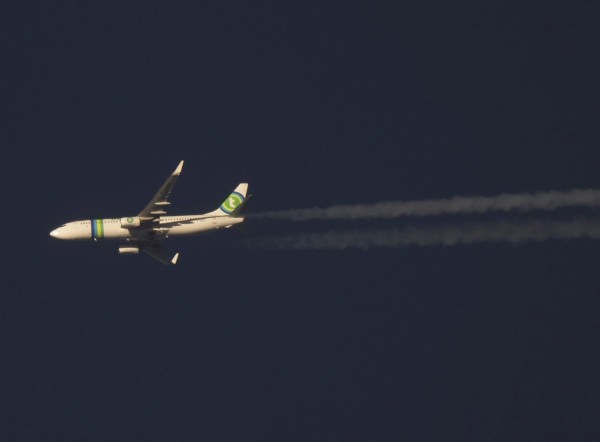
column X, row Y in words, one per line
column 175, row 258
column 179, row 167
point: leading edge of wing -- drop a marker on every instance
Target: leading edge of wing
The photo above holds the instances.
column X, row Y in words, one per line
column 158, row 202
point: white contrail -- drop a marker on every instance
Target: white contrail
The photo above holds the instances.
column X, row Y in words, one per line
column 525, row 202
column 515, row 232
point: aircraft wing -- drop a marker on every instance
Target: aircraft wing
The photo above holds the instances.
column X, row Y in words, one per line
column 157, row 205
column 156, row 251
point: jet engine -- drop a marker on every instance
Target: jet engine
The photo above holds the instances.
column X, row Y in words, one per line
column 131, row 221
column 129, row 250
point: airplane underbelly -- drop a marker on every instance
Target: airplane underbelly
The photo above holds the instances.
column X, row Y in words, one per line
column 193, row 228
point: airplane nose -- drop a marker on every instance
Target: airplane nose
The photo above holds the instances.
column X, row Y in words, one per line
column 55, row 233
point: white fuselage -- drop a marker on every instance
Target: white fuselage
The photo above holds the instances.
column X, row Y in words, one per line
column 163, row 227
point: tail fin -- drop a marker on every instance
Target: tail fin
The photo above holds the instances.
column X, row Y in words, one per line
column 238, row 212
column 234, row 201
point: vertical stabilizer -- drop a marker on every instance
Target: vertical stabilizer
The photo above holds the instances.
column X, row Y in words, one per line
column 234, row 200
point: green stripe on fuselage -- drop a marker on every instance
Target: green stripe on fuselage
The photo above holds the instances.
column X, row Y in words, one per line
column 99, row 228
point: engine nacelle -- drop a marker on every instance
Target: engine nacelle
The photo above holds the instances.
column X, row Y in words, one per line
column 129, row 250
column 131, row 221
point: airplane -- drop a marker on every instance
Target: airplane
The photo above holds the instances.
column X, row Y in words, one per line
column 145, row 231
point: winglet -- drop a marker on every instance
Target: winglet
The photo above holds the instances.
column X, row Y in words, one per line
column 179, row 167
column 174, row 260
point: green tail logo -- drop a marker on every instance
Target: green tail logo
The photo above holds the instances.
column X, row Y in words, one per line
column 232, row 201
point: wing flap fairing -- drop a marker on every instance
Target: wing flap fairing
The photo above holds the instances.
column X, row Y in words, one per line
column 155, row 207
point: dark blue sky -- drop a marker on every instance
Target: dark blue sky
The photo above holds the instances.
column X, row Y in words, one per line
column 312, row 105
